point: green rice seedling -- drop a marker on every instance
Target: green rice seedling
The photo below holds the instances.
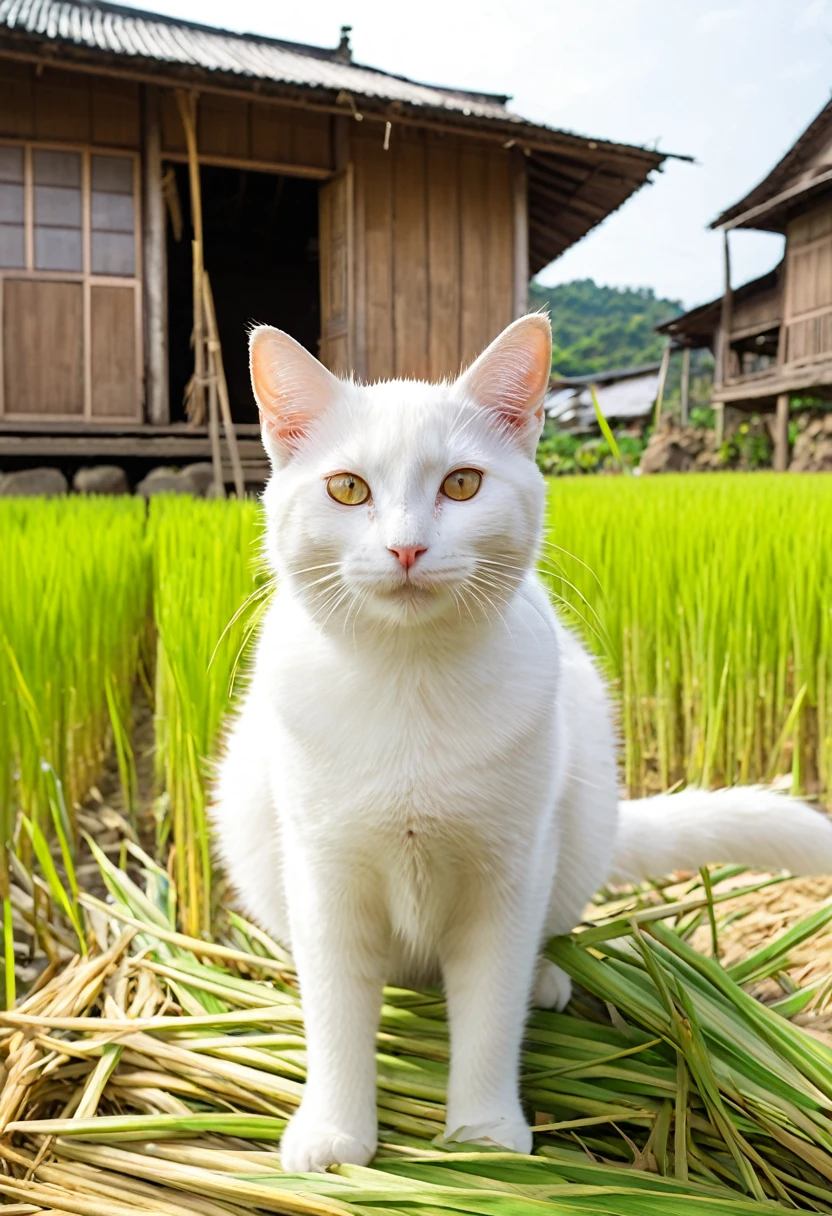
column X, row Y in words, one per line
column 74, row 601
column 206, row 565
column 709, row 602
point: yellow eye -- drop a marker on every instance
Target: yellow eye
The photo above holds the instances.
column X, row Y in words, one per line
column 462, row 484
column 348, row 488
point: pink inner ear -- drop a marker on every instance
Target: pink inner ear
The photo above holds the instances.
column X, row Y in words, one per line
column 511, row 376
column 291, row 387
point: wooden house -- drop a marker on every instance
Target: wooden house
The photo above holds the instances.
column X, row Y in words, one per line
column 772, row 337
column 390, row 226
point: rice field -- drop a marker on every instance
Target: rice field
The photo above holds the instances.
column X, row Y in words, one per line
column 709, row 602
column 152, row 1061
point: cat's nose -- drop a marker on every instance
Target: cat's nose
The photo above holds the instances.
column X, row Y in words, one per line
column 407, row 554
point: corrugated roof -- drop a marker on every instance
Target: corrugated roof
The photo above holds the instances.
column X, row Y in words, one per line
column 118, row 30
column 786, row 172
column 575, row 181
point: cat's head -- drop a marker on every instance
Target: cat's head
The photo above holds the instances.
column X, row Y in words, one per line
column 403, row 501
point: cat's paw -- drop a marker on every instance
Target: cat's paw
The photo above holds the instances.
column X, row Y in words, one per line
column 311, row 1144
column 511, row 1132
column 553, row 988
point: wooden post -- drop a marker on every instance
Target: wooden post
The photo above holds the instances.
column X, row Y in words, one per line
column 662, row 378
column 340, row 141
column 727, row 311
column 685, row 402
column 157, row 402
column 781, row 434
column 196, row 397
column 719, row 410
column 521, row 234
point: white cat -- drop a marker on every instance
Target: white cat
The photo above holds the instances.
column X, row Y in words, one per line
column 422, row 778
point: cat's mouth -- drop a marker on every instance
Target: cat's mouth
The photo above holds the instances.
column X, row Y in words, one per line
column 410, row 589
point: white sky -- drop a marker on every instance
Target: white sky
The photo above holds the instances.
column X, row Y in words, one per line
column 731, row 82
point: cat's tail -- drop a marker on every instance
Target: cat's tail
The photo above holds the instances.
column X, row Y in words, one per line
column 747, row 825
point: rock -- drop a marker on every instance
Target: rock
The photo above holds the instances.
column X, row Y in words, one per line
column 812, row 448
column 196, row 479
column 161, row 472
column 167, row 482
column 30, row 483
column 199, row 476
column 101, row 479
column 670, row 449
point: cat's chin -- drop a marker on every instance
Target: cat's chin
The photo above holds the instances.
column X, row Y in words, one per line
column 408, row 604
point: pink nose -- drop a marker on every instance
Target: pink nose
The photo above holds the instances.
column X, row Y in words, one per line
column 407, row 554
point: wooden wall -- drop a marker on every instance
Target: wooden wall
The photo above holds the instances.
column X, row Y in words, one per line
column 230, row 128
column 434, row 251
column 68, row 106
column 757, row 312
column 88, row 109
column 808, row 311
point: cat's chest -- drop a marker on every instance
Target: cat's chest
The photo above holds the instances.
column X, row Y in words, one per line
column 406, row 741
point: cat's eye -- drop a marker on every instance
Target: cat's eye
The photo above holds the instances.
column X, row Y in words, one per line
column 462, row 484
column 348, row 489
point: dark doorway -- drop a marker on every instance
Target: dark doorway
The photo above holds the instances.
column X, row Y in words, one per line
column 261, row 253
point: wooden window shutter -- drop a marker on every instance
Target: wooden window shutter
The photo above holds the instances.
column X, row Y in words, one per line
column 335, row 227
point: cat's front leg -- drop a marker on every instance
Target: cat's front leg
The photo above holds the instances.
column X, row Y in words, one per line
column 489, row 967
column 340, row 946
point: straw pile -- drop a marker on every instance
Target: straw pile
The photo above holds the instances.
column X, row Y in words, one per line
column 156, row 1073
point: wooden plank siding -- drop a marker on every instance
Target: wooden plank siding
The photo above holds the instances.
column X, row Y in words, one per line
column 113, row 352
column 443, row 259
column 435, row 254
column 230, row 129
column 410, row 259
column 376, row 174
column 43, row 346
column 68, row 106
column 808, row 295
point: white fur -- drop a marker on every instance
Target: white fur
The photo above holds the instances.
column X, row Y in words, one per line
column 422, row 778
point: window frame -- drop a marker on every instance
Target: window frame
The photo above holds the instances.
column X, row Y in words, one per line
column 85, row 276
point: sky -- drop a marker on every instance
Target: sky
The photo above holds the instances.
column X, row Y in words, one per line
column 730, row 82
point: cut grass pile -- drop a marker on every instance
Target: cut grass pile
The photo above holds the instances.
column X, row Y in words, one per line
column 710, row 601
column 157, row 1074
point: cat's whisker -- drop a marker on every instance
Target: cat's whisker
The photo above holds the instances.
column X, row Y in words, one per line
column 560, row 548
column 482, row 600
column 310, row 569
column 325, row 578
column 344, row 593
column 558, row 574
column 259, row 593
column 482, row 583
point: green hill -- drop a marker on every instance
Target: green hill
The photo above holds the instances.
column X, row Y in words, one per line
column 600, row 329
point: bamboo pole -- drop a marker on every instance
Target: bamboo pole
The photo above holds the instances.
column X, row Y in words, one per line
column 214, row 433
column 187, row 103
column 662, row 377
column 215, row 354
column 685, row 401
column 719, row 422
column 781, row 434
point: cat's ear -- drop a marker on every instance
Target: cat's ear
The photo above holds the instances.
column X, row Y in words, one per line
column 511, row 376
column 291, row 387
